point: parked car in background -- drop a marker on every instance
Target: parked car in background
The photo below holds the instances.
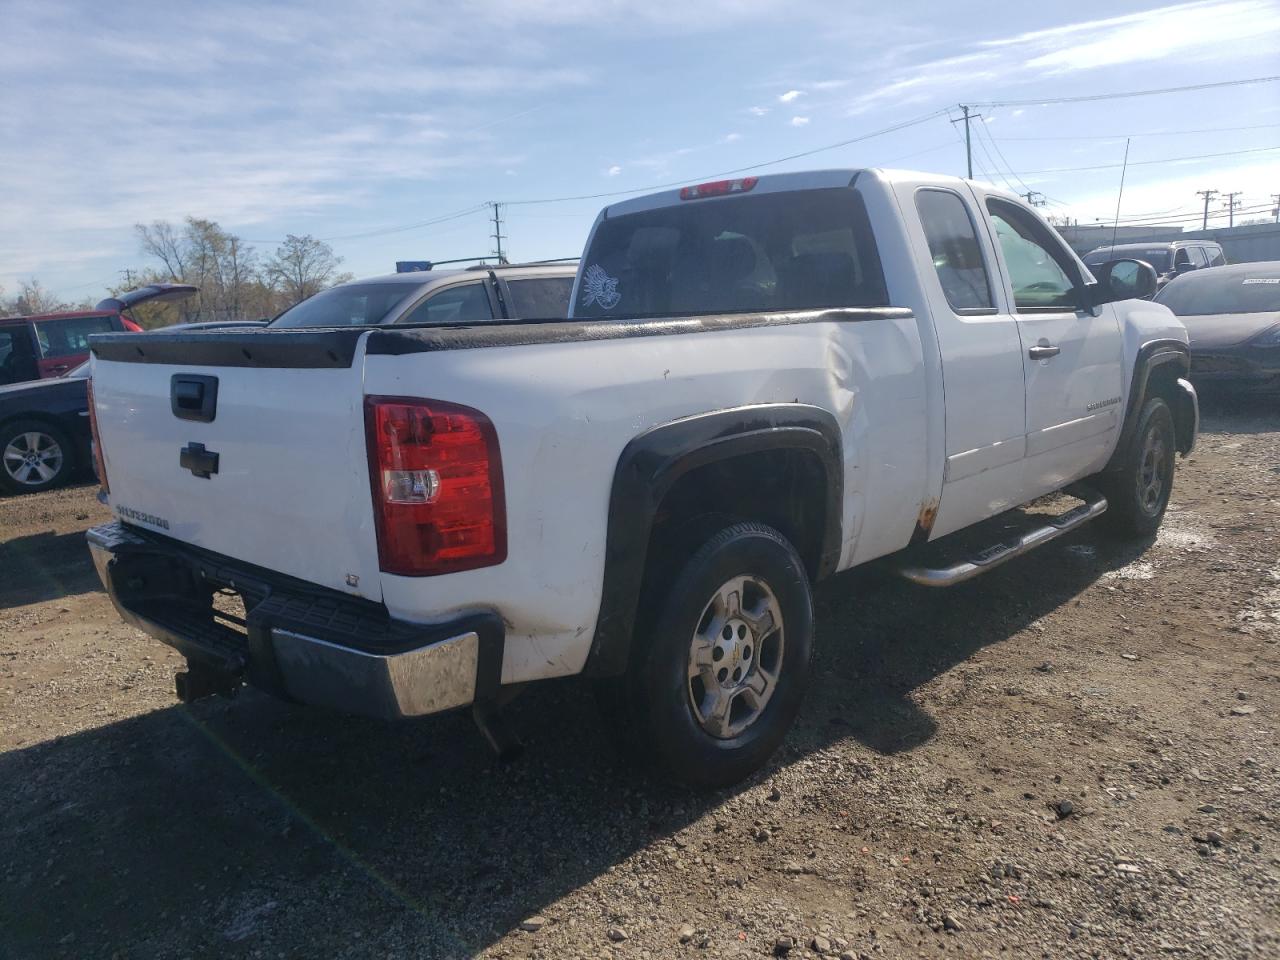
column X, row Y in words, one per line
column 479, row 294
column 1171, row 259
column 1232, row 316
column 50, row 344
column 44, row 431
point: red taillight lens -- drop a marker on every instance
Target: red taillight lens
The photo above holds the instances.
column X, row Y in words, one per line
column 437, row 486
column 99, row 462
column 718, row 188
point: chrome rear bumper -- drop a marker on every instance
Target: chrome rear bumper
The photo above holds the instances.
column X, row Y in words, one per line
column 296, row 641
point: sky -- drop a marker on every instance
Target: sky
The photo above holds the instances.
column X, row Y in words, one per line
column 384, row 127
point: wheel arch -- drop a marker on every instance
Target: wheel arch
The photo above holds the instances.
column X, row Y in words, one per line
column 1156, row 371
column 652, row 467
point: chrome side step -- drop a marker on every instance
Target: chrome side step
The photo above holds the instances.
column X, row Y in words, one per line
column 1095, row 504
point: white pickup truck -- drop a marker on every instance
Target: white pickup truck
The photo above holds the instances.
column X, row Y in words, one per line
column 763, row 381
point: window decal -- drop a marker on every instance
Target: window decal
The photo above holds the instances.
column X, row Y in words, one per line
column 599, row 287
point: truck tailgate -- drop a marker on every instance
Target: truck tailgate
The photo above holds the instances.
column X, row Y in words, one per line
column 291, row 487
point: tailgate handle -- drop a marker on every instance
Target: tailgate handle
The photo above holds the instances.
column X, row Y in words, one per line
column 201, row 462
column 193, row 396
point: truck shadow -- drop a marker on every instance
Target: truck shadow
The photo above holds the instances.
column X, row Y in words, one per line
column 45, row 566
column 231, row 829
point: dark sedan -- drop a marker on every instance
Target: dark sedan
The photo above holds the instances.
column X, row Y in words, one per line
column 44, row 431
column 1232, row 315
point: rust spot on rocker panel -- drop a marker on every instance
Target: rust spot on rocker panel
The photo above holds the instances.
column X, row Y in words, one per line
column 924, row 520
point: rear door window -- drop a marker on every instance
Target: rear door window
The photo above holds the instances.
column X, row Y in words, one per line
column 956, row 253
column 1216, row 256
column 539, row 298
column 465, row 303
column 69, row 337
column 17, row 365
column 796, row 250
column 1200, row 257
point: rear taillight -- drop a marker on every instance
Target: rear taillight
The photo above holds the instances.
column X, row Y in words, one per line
column 99, row 462
column 718, row 188
column 437, row 486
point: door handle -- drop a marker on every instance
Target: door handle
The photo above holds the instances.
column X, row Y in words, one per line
column 1043, row 351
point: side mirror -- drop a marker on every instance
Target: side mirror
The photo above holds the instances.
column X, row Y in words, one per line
column 1124, row 280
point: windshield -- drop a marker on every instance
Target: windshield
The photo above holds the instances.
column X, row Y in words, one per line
column 350, row 305
column 1223, row 291
column 1158, row 257
column 783, row 251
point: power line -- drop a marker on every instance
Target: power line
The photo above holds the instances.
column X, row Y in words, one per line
column 893, row 128
column 1127, row 93
column 397, row 229
column 1143, row 163
column 1152, row 133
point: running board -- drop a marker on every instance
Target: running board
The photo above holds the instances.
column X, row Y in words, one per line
column 1095, row 504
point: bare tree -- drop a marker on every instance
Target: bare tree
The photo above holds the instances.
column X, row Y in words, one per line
column 34, row 298
column 303, row 266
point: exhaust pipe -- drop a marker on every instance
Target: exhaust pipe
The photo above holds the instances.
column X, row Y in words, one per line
column 198, row 682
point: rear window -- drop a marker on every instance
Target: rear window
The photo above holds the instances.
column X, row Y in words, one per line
column 352, row 305
column 1158, row 257
column 539, row 298
column 1223, row 291
column 798, row 250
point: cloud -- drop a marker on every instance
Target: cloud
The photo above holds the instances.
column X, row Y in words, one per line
column 799, row 121
column 1215, row 30
column 731, row 138
column 758, row 111
column 614, row 170
column 790, row 95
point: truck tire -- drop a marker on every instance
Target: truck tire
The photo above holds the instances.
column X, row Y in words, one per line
column 1138, row 490
column 34, row 456
column 719, row 671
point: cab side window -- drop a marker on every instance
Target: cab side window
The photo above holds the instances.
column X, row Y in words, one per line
column 956, row 253
column 1039, row 268
column 465, row 303
column 1182, row 259
column 1216, row 257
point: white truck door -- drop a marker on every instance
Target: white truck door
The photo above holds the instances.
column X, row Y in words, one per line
column 981, row 353
column 1072, row 356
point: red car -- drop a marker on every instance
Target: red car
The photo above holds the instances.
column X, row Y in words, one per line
column 49, row 344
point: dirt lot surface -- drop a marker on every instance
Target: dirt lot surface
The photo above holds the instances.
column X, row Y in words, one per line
column 1076, row 756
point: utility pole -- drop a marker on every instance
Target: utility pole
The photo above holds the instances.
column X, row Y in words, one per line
column 968, row 143
column 1275, row 198
column 1231, row 207
column 1208, row 195
column 1034, row 197
column 497, row 230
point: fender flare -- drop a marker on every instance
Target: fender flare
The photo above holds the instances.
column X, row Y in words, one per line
column 649, row 467
column 1151, row 356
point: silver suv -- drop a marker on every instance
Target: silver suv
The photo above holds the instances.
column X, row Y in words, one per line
column 479, row 294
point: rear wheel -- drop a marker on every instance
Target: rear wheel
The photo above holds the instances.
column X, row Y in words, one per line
column 34, row 456
column 1138, row 491
column 719, row 673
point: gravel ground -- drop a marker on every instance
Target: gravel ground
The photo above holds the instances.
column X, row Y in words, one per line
column 1076, row 756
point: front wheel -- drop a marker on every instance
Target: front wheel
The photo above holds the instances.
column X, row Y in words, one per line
column 1138, row 490
column 34, row 456
column 719, row 673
